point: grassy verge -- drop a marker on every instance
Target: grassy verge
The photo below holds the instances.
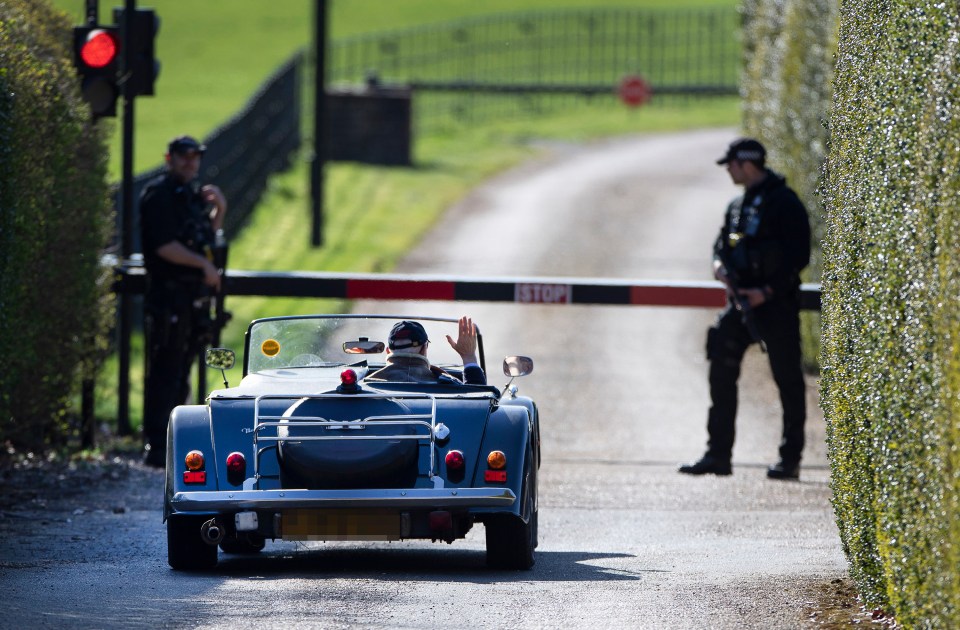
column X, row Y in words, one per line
column 374, row 215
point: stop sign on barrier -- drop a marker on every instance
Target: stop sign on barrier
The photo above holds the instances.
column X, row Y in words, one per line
column 634, row 91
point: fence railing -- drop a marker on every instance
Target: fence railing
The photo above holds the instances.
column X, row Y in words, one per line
column 680, row 52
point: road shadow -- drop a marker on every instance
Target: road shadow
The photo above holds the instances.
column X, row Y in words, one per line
column 431, row 565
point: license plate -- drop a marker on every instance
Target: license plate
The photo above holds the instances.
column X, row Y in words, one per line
column 340, row 525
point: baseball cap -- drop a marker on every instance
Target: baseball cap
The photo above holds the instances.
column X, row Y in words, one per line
column 407, row 334
column 183, row 144
column 746, row 149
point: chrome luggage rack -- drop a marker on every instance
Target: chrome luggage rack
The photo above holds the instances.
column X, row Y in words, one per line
column 264, row 422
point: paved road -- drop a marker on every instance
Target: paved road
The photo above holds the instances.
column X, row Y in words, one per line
column 624, row 540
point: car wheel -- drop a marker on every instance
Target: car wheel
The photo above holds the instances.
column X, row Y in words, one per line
column 510, row 540
column 243, row 543
column 186, row 550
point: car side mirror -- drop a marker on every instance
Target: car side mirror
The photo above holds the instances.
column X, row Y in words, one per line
column 514, row 366
column 220, row 359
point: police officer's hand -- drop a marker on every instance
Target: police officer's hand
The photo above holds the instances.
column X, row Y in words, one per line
column 214, row 196
column 720, row 272
column 211, row 277
column 755, row 297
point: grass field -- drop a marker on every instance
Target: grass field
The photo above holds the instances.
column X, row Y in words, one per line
column 215, row 54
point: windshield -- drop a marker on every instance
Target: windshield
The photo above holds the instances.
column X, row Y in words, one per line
column 318, row 341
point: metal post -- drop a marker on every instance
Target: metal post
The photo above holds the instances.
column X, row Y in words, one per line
column 320, row 150
column 126, row 225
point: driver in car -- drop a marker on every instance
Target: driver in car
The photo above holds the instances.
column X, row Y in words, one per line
column 407, row 355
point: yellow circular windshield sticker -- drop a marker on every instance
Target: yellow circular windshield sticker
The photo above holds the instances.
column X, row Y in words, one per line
column 270, row 347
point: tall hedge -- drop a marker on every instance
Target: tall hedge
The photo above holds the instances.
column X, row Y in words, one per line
column 787, row 90
column 53, row 222
column 891, row 373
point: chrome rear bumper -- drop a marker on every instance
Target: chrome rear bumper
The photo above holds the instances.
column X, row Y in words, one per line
column 217, row 501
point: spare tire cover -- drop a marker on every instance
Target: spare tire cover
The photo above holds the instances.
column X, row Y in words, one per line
column 347, row 463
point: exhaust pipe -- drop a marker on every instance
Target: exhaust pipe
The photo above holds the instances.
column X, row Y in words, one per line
column 212, row 532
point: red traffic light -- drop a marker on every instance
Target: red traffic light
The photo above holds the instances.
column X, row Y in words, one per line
column 100, row 49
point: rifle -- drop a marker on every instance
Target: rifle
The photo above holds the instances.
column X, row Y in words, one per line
column 221, row 316
column 741, row 303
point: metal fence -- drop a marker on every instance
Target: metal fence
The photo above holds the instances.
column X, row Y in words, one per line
column 243, row 152
column 549, row 61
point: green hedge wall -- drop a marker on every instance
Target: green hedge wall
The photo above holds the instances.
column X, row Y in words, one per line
column 890, row 193
column 787, row 91
column 53, row 222
column 891, row 338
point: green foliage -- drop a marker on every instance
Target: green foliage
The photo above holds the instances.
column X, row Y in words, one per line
column 788, row 52
column 891, row 358
column 53, row 215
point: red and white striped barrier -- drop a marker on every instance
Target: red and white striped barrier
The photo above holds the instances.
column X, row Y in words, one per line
column 354, row 286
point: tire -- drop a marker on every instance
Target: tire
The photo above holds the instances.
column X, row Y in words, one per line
column 186, row 550
column 243, row 544
column 511, row 541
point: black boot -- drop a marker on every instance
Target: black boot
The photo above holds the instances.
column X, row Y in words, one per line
column 784, row 470
column 707, row 465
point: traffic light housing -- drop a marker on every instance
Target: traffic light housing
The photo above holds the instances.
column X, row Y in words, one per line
column 142, row 65
column 96, row 56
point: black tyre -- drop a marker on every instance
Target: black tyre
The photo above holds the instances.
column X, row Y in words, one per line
column 511, row 541
column 243, row 543
column 186, row 550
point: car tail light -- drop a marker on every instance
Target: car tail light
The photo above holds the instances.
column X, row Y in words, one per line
column 236, row 468
column 194, row 473
column 348, row 382
column 454, row 460
column 497, row 460
column 456, row 466
column 194, row 461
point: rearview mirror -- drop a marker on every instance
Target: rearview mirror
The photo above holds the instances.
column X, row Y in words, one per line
column 220, row 358
column 514, row 366
column 363, row 345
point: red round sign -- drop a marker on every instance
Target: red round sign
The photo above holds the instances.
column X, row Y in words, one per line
column 634, row 91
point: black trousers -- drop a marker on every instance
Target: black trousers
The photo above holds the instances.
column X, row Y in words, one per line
column 778, row 323
column 173, row 340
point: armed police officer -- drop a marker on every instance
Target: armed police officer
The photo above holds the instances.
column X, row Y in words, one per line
column 179, row 219
column 763, row 245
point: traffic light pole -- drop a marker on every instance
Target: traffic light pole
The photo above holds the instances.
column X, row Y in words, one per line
column 125, row 326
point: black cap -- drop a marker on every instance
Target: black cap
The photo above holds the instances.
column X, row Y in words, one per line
column 745, row 150
column 407, row 335
column 184, row 144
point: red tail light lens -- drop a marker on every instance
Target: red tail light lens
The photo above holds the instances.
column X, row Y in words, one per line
column 454, row 460
column 236, row 468
column 348, row 378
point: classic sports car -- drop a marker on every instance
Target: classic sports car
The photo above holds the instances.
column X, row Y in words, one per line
column 307, row 447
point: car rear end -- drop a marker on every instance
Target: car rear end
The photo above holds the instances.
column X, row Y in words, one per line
column 353, row 465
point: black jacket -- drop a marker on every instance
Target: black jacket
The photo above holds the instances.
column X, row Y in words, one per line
column 765, row 237
column 173, row 211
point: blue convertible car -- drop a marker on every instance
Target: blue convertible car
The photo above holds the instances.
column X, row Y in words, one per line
column 306, row 447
